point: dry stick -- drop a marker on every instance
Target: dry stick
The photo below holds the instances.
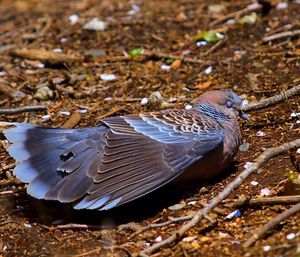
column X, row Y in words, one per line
column 271, row 224
column 35, row 108
column 46, row 56
column 215, row 47
column 72, row 121
column 6, row 89
column 155, row 54
column 291, row 33
column 272, row 100
column 265, row 200
column 259, row 161
column 235, row 15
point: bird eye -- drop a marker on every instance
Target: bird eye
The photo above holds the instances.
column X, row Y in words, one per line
column 229, row 104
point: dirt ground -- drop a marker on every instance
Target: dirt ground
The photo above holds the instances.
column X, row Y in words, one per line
column 241, row 61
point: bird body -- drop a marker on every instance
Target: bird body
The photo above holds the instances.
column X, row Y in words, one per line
column 128, row 156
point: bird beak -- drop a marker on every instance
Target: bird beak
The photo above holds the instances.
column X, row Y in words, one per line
column 244, row 116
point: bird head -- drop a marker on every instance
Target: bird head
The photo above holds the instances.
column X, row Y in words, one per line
column 226, row 99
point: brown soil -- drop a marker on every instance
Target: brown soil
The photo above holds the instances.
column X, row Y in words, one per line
column 28, row 227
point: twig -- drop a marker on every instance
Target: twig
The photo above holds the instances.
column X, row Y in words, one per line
column 235, row 15
column 72, row 121
column 6, row 89
column 259, row 161
column 162, row 224
column 46, row 56
column 154, row 54
column 291, row 33
column 271, row 224
column 215, row 47
column 265, row 200
column 112, row 112
column 272, row 100
column 9, row 192
column 75, row 226
column 35, row 108
column 112, row 247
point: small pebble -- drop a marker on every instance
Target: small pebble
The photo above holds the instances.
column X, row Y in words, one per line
column 144, row 101
column 266, row 248
column 265, row 192
column 192, row 203
column 233, row 214
column 82, row 111
column 108, row 77
column 27, row 225
column 63, row 40
column 253, row 183
column 290, row 236
column 295, row 114
column 95, row 24
column 208, row 70
column 298, row 151
column 244, row 147
column 44, row 93
column 158, row 239
column 155, row 97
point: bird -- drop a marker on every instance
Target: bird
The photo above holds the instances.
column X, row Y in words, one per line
column 127, row 157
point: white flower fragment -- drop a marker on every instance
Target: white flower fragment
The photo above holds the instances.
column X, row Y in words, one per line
column 165, row 67
column 73, row 18
column 253, row 183
column 158, row 239
column 265, row 191
column 188, row 107
column 208, row 70
column 201, row 43
column 108, row 77
column 248, row 165
column 266, row 248
column 290, row 236
column 144, row 101
column 233, row 214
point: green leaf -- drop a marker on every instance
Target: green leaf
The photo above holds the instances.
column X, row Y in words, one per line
column 135, row 52
column 208, row 36
column 170, row 60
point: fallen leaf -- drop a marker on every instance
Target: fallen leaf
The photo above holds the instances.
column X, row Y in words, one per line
column 205, row 85
column 176, row 64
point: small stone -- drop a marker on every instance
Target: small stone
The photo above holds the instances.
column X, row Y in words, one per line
column 192, row 203
column 298, row 151
column 95, row 53
column 177, row 206
column 27, row 225
column 155, row 97
column 233, row 214
column 201, row 43
column 95, row 24
column 44, row 93
column 57, row 50
column 244, row 147
column 46, row 118
column 63, row 40
column 64, row 113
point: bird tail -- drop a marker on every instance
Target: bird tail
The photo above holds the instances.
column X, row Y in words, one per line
column 42, row 153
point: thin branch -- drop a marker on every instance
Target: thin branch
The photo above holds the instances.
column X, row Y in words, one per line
column 6, row 89
column 259, row 161
column 215, row 47
column 271, row 224
column 265, row 200
column 160, row 55
column 272, row 100
column 285, row 34
column 35, row 108
column 235, row 15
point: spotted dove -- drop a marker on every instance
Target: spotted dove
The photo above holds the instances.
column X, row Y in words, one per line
column 128, row 156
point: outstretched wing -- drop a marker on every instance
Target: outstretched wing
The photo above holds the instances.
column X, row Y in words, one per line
column 117, row 162
column 144, row 152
